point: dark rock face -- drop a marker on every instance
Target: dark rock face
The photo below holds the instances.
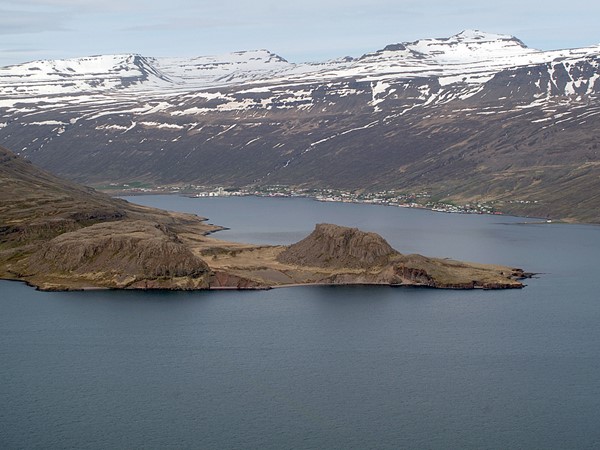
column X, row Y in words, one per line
column 119, row 249
column 224, row 280
column 394, row 47
column 336, row 246
column 416, row 275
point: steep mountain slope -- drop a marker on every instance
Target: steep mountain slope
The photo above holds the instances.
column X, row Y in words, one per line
column 474, row 117
column 55, row 234
column 33, row 200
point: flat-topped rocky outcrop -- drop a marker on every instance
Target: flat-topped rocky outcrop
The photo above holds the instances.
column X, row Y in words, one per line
column 336, row 246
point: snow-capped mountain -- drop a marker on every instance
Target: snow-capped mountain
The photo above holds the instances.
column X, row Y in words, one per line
column 470, row 116
column 79, row 75
column 220, row 70
column 470, row 57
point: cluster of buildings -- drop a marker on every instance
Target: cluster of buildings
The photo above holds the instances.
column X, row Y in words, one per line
column 389, row 198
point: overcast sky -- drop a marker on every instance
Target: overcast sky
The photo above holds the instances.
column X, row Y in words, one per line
column 298, row 30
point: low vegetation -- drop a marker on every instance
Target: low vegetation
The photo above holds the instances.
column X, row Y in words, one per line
column 57, row 235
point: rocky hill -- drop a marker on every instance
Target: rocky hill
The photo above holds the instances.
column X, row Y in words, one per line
column 57, row 235
column 469, row 118
column 347, row 255
column 334, row 246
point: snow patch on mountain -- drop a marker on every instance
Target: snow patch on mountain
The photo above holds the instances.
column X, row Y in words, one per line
column 77, row 75
column 223, row 69
column 440, row 70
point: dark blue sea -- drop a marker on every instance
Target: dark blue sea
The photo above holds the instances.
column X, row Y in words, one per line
column 318, row 367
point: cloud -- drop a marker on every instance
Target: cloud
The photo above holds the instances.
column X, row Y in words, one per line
column 79, row 6
column 11, row 51
column 21, row 22
column 176, row 24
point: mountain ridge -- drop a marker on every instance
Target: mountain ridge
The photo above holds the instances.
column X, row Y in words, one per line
column 517, row 128
column 471, row 45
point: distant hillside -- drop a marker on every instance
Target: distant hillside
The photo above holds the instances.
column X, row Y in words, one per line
column 476, row 117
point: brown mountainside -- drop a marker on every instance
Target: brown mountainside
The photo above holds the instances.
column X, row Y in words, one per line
column 516, row 130
column 58, row 235
column 54, row 233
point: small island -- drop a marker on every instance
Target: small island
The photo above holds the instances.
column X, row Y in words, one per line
column 57, row 235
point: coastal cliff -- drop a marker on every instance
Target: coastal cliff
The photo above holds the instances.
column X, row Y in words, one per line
column 56, row 235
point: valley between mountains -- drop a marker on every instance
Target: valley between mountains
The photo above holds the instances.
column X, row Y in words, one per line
column 475, row 117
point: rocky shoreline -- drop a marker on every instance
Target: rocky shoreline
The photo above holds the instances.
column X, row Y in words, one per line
column 56, row 235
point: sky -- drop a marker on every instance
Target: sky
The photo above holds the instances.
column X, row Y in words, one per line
column 298, row 30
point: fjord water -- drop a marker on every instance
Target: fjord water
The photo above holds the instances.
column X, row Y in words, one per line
column 318, row 367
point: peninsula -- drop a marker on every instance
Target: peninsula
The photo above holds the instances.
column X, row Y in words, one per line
column 57, row 235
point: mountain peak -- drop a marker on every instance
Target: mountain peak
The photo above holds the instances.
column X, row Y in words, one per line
column 466, row 46
column 469, row 46
column 332, row 245
column 475, row 36
column 262, row 53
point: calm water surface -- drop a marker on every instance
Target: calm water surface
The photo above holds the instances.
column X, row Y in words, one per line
column 318, row 367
